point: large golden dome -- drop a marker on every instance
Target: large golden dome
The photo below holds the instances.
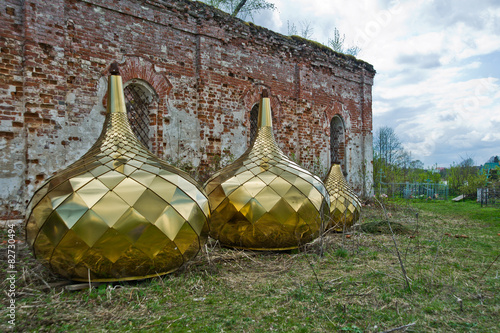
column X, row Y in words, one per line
column 118, row 213
column 345, row 205
column 265, row 201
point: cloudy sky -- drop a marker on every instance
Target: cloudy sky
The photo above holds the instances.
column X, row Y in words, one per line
column 437, row 63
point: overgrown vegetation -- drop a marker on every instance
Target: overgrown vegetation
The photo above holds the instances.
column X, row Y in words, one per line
column 393, row 164
column 465, row 178
column 241, row 8
column 247, row 8
column 449, row 252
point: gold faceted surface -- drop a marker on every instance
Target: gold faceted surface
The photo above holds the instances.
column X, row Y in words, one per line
column 265, row 201
column 345, row 205
column 118, row 213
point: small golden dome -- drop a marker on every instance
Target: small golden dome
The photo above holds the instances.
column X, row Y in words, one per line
column 345, row 205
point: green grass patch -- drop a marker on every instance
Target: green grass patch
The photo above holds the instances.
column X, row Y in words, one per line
column 355, row 285
column 382, row 227
column 467, row 209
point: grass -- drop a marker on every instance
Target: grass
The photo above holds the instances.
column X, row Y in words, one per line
column 355, row 286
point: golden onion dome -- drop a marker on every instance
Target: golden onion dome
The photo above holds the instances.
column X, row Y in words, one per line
column 118, row 213
column 345, row 205
column 265, row 201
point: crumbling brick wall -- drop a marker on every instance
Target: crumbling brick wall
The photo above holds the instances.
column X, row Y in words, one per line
column 206, row 69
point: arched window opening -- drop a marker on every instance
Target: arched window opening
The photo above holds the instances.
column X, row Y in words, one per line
column 254, row 120
column 337, row 144
column 138, row 99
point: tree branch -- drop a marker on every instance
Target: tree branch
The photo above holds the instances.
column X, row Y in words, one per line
column 238, row 8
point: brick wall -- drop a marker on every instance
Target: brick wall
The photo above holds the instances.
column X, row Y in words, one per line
column 206, row 69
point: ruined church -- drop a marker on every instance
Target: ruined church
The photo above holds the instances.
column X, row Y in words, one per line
column 193, row 77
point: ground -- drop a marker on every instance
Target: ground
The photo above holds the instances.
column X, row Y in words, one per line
column 350, row 282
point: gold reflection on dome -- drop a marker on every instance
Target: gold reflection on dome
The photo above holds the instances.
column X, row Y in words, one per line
column 118, row 213
column 265, row 201
column 345, row 205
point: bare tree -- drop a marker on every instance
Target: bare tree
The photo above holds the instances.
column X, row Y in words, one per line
column 387, row 145
column 292, row 29
column 390, row 160
column 337, row 43
column 241, row 8
column 306, row 29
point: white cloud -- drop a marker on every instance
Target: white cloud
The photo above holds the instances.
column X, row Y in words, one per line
column 431, row 85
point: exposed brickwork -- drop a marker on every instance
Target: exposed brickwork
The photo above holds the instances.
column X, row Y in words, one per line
column 206, row 69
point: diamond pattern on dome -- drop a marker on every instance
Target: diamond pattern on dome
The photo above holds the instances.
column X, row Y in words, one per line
column 92, row 192
column 129, row 190
column 267, row 198
column 267, row 177
column 80, row 180
column 184, row 241
column 54, row 228
column 72, row 245
column 295, row 198
column 143, row 177
column 90, row 227
column 99, row 170
column 230, row 185
column 240, row 197
column 112, row 178
column 254, row 186
column 223, row 213
column 258, row 203
column 183, row 204
column 280, row 186
column 345, row 206
column 72, row 209
column 118, row 213
column 150, row 205
column 170, row 222
column 112, row 244
column 315, row 197
column 59, row 194
column 163, row 188
column 152, row 241
column 194, row 221
column 131, row 225
column 43, row 209
column 126, row 169
column 253, row 211
column 110, row 208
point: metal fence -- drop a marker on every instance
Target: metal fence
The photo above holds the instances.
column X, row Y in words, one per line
column 414, row 190
column 489, row 196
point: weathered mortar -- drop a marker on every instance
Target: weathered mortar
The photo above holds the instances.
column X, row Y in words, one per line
column 206, row 68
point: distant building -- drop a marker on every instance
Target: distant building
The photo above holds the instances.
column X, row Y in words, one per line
column 491, row 168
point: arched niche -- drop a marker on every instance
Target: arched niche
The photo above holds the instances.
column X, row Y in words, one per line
column 254, row 120
column 250, row 101
column 337, row 141
column 142, row 102
column 155, row 88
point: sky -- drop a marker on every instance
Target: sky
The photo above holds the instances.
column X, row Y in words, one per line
column 438, row 67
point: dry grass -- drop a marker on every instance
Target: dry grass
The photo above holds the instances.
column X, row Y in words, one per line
column 348, row 282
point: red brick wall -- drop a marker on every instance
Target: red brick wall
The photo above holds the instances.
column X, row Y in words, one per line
column 12, row 122
column 206, row 68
